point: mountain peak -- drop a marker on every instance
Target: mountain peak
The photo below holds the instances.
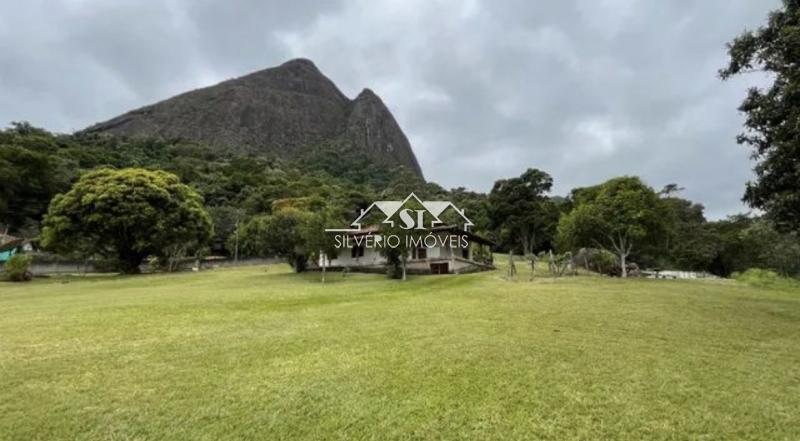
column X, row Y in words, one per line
column 300, row 62
column 280, row 111
column 367, row 95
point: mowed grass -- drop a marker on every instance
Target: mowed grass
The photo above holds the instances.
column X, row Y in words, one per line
column 257, row 353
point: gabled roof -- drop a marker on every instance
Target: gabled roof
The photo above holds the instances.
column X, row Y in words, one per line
column 8, row 242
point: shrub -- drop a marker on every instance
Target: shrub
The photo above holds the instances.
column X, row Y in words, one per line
column 765, row 279
column 17, row 268
column 597, row 260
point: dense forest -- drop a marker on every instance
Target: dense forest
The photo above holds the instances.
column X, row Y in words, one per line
column 243, row 193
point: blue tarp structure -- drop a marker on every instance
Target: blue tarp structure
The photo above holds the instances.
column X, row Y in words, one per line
column 9, row 246
column 5, row 255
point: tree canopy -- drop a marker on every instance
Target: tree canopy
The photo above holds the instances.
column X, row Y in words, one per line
column 127, row 214
column 772, row 124
column 521, row 211
column 243, row 192
column 616, row 215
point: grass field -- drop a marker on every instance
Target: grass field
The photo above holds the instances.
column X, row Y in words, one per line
column 265, row 354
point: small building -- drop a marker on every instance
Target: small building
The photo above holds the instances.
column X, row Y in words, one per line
column 10, row 245
column 442, row 258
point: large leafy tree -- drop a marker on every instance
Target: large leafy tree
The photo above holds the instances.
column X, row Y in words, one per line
column 690, row 243
column 521, row 211
column 475, row 206
column 226, row 220
column 745, row 242
column 397, row 256
column 320, row 243
column 127, row 214
column 617, row 215
column 30, row 174
column 278, row 234
column 772, row 126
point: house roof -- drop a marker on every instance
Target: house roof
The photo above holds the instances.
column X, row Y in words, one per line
column 8, row 242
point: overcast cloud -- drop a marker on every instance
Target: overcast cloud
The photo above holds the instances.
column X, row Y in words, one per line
column 583, row 89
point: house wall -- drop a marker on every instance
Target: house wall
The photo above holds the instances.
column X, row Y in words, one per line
column 373, row 258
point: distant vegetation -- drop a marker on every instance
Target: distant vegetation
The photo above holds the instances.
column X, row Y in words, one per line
column 766, row 279
column 246, row 194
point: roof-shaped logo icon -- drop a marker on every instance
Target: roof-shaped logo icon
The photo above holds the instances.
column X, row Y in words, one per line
column 389, row 210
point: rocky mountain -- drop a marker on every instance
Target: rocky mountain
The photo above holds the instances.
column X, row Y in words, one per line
column 282, row 111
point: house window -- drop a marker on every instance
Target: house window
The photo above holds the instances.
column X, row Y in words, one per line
column 356, row 252
column 465, row 253
column 419, row 253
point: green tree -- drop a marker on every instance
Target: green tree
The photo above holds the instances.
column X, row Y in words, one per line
column 520, row 209
column 397, row 256
column 226, row 220
column 746, row 242
column 772, row 125
column 771, row 249
column 277, row 234
column 29, row 177
column 475, row 205
column 319, row 243
column 690, row 243
column 399, row 239
column 616, row 215
column 127, row 214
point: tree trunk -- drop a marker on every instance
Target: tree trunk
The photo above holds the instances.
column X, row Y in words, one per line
column 533, row 266
column 323, row 268
column 623, row 247
column 236, row 244
column 403, row 265
column 527, row 243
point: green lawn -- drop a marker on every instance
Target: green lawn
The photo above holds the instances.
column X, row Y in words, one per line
column 266, row 354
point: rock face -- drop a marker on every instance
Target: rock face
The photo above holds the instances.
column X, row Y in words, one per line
column 282, row 111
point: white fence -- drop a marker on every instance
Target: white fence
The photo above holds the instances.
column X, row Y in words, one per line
column 670, row 274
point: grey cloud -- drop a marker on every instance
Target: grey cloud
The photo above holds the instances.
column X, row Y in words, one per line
column 585, row 90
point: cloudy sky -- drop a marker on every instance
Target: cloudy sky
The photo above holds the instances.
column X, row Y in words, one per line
column 583, row 89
